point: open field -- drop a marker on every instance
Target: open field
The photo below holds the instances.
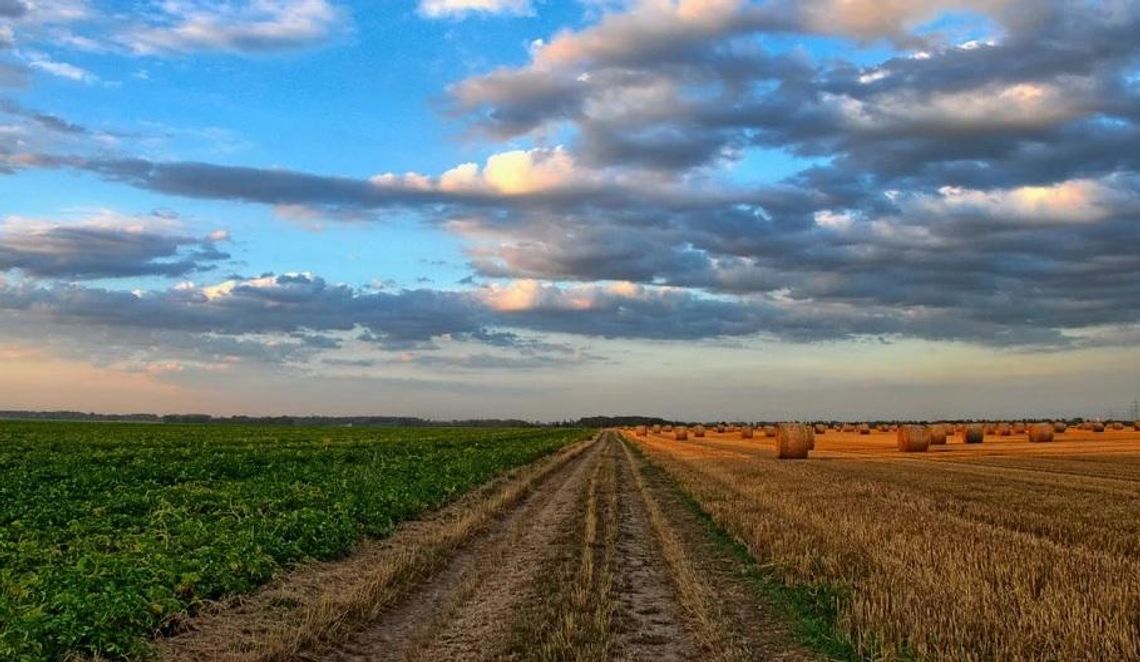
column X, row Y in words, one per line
column 1004, row 550
column 241, row 543
column 110, row 533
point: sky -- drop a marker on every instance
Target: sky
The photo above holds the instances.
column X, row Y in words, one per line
column 697, row 209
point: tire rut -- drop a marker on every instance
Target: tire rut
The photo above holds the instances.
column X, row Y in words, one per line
column 652, row 625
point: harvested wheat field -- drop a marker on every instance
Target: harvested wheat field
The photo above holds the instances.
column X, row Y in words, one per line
column 1004, row 550
column 589, row 554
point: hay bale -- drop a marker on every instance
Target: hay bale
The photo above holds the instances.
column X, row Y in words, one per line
column 864, row 428
column 973, row 434
column 656, row 429
column 698, row 430
column 641, row 430
column 720, row 429
column 938, row 435
column 1019, row 428
column 821, row 429
column 1040, row 433
column 794, row 441
column 680, row 433
column 913, row 438
column 746, row 432
column 1097, row 426
column 1136, row 426
column 1059, row 427
column 990, row 428
column 1117, row 426
column 769, row 431
column 1003, row 429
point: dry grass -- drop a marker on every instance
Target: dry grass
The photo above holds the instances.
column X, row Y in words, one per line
column 576, row 604
column 1007, row 550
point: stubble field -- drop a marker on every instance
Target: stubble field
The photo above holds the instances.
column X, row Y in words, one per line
column 1001, row 550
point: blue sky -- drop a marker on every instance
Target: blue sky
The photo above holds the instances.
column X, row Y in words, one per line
column 537, row 208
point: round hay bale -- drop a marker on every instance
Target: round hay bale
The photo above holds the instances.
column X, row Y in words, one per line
column 938, row 435
column 1117, row 426
column 821, row 429
column 1097, row 426
column 973, row 434
column 864, row 428
column 794, row 441
column 1059, row 427
column 913, row 438
column 641, row 430
column 656, row 429
column 1003, row 429
column 769, row 431
column 680, row 433
column 746, row 432
column 720, row 429
column 698, row 430
column 990, row 428
column 1136, row 426
column 1040, row 433
column 1019, row 428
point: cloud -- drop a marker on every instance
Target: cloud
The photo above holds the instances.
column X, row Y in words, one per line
column 458, row 8
column 13, row 8
column 61, row 69
column 112, row 247
column 517, row 172
column 981, row 191
column 896, row 19
column 45, row 120
column 254, row 26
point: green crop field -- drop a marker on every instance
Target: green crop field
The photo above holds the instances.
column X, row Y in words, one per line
column 110, row 532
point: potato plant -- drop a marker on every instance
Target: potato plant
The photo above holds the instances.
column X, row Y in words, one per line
column 111, row 533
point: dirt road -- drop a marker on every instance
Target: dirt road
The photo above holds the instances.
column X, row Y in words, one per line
column 585, row 556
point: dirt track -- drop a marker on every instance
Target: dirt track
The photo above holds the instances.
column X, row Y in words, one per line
column 591, row 557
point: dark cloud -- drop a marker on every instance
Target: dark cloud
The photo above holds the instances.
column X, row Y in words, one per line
column 13, row 8
column 45, row 120
column 92, row 251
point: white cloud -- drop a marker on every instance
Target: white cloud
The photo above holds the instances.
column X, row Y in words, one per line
column 517, row 172
column 838, row 221
column 1073, row 201
column 529, row 294
column 990, row 107
column 61, row 69
column 186, row 26
column 452, row 8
